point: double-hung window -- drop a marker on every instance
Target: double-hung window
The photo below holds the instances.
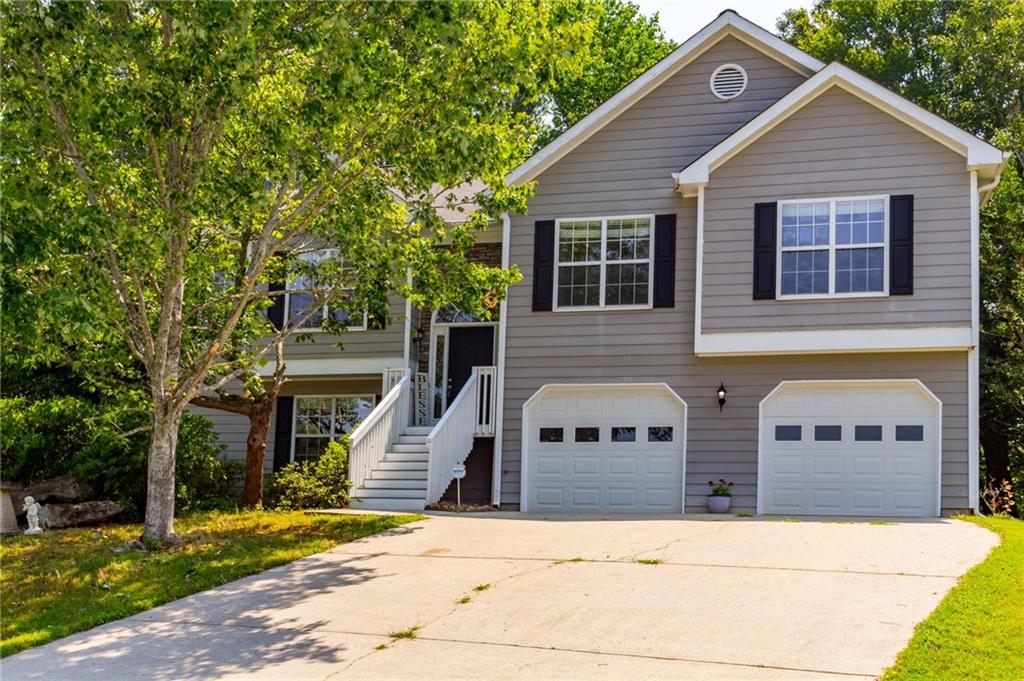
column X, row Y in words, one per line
column 604, row 262
column 321, row 419
column 297, row 304
column 833, row 247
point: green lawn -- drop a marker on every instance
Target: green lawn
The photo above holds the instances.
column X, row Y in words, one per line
column 65, row 581
column 977, row 632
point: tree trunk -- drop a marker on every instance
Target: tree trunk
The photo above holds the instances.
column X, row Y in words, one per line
column 159, row 524
column 256, row 449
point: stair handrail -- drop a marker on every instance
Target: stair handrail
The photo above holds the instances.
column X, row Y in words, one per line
column 372, row 438
column 450, row 441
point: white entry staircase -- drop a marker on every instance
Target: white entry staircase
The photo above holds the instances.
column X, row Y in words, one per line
column 398, row 482
column 396, row 466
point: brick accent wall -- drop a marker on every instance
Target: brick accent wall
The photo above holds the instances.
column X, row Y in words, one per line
column 485, row 254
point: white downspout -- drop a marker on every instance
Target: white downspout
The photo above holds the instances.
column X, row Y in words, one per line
column 499, row 417
column 973, row 357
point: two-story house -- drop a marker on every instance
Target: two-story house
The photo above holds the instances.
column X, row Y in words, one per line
column 746, row 264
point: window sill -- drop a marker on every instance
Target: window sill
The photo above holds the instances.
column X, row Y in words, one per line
column 832, row 296
column 599, row 308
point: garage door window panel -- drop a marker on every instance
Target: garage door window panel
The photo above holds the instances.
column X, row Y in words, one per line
column 867, row 433
column 909, row 433
column 604, row 262
column 788, row 433
column 828, row 433
column 551, row 435
column 623, row 434
column 659, row 434
column 588, row 434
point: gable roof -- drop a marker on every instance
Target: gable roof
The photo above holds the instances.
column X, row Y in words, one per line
column 980, row 155
column 728, row 23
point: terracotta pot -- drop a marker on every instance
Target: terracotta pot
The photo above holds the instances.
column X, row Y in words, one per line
column 718, row 504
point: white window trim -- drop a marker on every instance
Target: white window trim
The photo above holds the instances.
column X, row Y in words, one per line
column 328, row 253
column 603, row 264
column 832, row 248
column 334, row 400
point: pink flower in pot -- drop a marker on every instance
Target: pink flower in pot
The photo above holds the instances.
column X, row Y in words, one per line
column 720, row 497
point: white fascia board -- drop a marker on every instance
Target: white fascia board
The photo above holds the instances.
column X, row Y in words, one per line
column 833, row 341
column 978, row 153
column 334, row 366
column 728, row 23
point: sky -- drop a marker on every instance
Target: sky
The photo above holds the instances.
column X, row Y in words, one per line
column 682, row 18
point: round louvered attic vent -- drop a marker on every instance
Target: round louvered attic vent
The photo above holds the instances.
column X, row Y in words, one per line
column 728, row 81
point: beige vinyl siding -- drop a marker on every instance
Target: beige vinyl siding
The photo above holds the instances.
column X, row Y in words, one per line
column 838, row 145
column 386, row 342
column 233, row 429
column 625, row 169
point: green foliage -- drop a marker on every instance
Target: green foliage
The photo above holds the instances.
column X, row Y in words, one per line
column 52, row 583
column 321, row 483
column 963, row 60
column 71, row 435
column 625, row 43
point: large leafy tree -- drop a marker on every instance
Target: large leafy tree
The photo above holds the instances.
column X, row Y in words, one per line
column 625, row 44
column 165, row 162
column 964, row 60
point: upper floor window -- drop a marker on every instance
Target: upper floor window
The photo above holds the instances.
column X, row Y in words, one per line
column 604, row 262
column 833, row 247
column 297, row 304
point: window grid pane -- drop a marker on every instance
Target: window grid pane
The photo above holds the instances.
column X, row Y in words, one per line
column 624, row 263
column 319, row 420
column 835, row 247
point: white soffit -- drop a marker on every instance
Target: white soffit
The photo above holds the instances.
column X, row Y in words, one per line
column 980, row 155
column 728, row 23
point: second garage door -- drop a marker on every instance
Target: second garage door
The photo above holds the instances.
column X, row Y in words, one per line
column 868, row 448
column 604, row 449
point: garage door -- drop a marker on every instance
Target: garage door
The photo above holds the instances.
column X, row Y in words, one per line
column 840, row 448
column 604, row 449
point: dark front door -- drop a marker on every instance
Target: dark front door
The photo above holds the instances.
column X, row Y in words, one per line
column 468, row 346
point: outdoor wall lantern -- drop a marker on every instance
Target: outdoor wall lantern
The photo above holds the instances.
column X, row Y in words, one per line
column 721, row 396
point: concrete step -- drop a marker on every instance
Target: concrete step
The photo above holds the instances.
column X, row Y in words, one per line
column 391, row 483
column 388, row 504
column 401, row 466
column 419, row 474
column 412, row 439
column 406, row 456
column 371, row 493
column 419, row 448
column 419, row 430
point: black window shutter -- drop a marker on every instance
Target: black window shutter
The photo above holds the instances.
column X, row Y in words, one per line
column 764, row 250
column 275, row 313
column 543, row 264
column 665, row 260
column 901, row 245
column 283, row 432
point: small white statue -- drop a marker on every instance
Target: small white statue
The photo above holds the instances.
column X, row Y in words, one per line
column 31, row 509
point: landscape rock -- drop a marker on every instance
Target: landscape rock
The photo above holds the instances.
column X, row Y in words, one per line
column 63, row 488
column 71, row 515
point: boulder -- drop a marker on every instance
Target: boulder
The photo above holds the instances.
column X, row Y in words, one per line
column 71, row 515
column 64, row 488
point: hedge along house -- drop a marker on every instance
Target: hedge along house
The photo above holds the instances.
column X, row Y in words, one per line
column 742, row 217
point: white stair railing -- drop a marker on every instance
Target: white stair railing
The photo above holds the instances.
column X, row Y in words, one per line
column 451, row 440
column 486, row 394
column 370, row 441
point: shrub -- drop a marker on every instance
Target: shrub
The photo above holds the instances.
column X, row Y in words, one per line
column 322, row 483
column 71, row 435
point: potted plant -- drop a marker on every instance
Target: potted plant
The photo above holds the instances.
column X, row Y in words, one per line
column 721, row 495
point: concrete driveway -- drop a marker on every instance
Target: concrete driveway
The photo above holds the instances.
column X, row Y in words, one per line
column 551, row 598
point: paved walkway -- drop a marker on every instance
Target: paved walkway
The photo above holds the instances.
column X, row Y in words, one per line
column 551, row 598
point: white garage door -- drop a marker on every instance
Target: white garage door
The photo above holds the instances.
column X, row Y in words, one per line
column 868, row 449
column 604, row 449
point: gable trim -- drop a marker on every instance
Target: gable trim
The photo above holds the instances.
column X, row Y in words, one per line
column 980, row 155
column 728, row 23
